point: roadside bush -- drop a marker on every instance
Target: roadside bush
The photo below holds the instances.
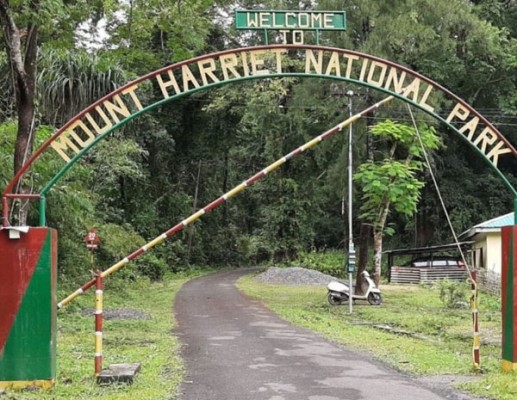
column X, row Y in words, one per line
column 253, row 249
column 452, row 294
column 152, row 266
column 328, row 262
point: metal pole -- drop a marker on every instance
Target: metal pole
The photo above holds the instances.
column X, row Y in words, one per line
column 42, row 211
column 351, row 251
column 475, row 321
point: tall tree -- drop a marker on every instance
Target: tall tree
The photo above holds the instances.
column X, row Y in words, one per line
column 392, row 182
column 21, row 42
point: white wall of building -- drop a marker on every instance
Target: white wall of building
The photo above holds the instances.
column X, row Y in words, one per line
column 494, row 252
column 488, row 251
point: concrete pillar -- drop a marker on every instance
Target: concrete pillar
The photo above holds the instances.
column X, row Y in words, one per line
column 28, row 276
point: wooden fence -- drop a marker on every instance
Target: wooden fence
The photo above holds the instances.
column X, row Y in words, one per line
column 417, row 275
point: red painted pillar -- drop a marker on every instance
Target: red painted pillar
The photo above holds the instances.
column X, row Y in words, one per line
column 509, row 297
column 28, row 275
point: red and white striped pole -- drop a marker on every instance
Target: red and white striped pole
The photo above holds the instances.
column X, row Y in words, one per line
column 475, row 321
column 99, row 292
column 216, row 203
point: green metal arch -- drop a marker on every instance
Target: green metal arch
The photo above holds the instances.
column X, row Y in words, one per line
column 206, row 86
column 150, row 107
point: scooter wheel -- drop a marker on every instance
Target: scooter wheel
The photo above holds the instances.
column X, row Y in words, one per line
column 334, row 300
column 375, row 299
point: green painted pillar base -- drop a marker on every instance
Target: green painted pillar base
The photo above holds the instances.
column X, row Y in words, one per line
column 28, row 275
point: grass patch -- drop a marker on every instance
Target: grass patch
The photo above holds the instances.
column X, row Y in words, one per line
column 148, row 341
column 439, row 340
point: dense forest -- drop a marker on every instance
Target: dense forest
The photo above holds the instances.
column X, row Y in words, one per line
column 160, row 168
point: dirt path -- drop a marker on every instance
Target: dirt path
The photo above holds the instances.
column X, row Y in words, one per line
column 235, row 349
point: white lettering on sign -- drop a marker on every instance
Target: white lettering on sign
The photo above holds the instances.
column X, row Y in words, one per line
column 328, row 20
column 176, row 80
column 375, row 73
column 486, row 140
column 291, row 20
column 81, row 133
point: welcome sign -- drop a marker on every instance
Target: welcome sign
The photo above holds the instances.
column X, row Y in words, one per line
column 291, row 20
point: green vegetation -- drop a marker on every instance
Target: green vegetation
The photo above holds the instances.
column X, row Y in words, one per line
column 390, row 181
column 329, row 262
column 155, row 171
column 147, row 341
column 415, row 331
column 159, row 168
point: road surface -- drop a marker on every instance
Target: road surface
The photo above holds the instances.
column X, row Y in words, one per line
column 236, row 349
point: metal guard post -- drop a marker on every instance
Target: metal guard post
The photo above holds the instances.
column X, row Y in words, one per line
column 475, row 322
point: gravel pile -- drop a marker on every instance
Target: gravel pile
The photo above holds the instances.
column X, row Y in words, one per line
column 294, row 276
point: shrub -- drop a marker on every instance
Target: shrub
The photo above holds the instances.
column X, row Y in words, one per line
column 452, row 294
column 152, row 266
column 328, row 262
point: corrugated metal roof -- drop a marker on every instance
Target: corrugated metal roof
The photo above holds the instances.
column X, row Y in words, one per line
column 492, row 225
column 430, row 249
column 497, row 222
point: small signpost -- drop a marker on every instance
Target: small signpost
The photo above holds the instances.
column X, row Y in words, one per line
column 92, row 240
column 296, row 22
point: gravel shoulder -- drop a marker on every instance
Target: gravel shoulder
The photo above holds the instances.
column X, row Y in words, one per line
column 294, row 276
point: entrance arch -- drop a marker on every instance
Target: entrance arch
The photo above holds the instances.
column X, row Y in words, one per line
column 116, row 109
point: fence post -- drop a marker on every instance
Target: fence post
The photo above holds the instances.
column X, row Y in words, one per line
column 98, row 322
column 475, row 321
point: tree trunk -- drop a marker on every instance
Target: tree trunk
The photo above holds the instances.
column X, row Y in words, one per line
column 23, row 65
column 377, row 241
column 377, row 254
column 225, row 187
column 23, row 148
column 362, row 259
column 194, row 208
column 366, row 229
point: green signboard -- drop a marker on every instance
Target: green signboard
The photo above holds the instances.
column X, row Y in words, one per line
column 291, row 20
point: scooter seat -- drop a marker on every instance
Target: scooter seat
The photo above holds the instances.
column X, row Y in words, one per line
column 337, row 286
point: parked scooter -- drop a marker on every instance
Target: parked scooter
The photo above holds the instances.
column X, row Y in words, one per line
column 338, row 293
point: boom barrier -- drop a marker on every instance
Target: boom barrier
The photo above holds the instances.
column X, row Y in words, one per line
column 228, row 195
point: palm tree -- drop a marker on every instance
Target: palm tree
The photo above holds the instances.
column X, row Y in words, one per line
column 66, row 83
column 70, row 81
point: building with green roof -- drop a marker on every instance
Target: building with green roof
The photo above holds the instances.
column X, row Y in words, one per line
column 487, row 248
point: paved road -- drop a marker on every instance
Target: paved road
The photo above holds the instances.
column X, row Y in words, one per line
column 235, row 349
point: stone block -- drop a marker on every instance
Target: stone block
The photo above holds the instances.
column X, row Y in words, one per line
column 118, row 373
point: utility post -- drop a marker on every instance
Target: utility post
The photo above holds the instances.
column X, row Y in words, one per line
column 351, row 249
